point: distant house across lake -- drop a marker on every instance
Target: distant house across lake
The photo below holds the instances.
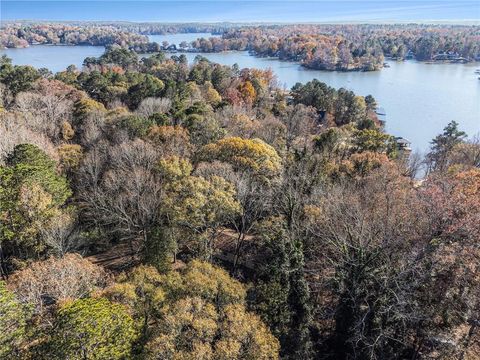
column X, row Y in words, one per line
column 449, row 56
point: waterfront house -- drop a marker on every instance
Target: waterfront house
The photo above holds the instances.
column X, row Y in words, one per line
column 403, row 145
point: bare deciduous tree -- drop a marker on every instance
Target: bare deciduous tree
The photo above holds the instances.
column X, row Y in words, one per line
column 365, row 240
column 47, row 282
column 60, row 235
column 299, row 121
column 45, row 113
column 120, row 190
column 150, row 106
column 14, row 131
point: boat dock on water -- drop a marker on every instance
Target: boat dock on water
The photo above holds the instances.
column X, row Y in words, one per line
column 381, row 115
column 403, row 145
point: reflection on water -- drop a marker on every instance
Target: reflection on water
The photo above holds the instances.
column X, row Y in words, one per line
column 420, row 99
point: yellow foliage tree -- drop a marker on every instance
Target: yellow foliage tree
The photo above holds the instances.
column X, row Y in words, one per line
column 85, row 106
column 199, row 207
column 67, row 131
column 70, row 156
column 253, row 155
column 197, row 313
column 212, row 95
column 174, row 168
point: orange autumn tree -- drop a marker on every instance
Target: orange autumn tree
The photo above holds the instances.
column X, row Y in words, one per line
column 248, row 92
column 170, row 140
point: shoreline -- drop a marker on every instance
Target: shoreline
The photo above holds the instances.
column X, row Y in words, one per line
column 251, row 53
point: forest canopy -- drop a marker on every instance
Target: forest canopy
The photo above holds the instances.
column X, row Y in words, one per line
column 158, row 209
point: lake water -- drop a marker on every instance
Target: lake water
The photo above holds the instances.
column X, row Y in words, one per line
column 54, row 58
column 420, row 99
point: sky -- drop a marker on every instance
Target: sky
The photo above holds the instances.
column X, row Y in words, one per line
column 244, row 11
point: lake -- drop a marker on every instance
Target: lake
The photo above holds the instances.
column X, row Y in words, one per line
column 419, row 98
column 54, row 58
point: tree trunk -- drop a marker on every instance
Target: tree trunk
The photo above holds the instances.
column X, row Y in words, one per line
column 236, row 258
column 3, row 266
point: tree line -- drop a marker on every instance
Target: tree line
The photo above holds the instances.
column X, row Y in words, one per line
column 156, row 209
column 348, row 47
column 22, row 35
column 360, row 47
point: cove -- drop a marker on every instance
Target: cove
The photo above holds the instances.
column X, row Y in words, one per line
column 419, row 98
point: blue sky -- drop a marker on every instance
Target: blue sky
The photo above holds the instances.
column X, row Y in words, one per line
column 244, row 11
